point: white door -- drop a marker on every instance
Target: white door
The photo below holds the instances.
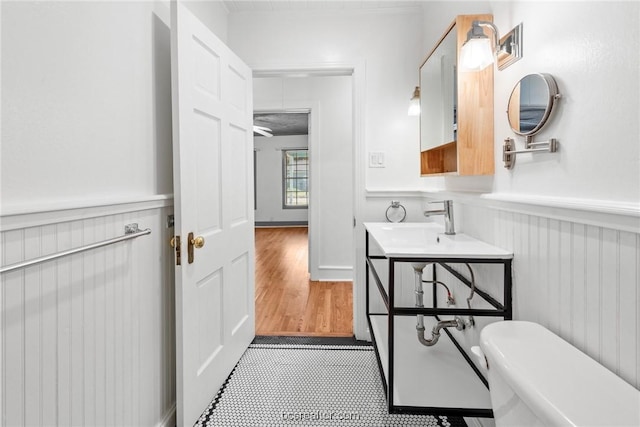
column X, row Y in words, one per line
column 213, row 187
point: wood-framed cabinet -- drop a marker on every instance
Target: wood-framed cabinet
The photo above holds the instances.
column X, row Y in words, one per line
column 456, row 123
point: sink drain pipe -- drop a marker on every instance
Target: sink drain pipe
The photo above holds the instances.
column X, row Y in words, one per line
column 457, row 322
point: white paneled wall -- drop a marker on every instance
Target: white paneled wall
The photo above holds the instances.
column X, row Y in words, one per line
column 581, row 281
column 88, row 339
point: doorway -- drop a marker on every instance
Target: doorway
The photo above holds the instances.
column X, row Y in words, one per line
column 281, row 168
column 319, row 302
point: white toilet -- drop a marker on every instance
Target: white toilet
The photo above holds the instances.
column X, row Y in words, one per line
column 538, row 379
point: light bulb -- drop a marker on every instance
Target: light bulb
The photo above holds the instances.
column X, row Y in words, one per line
column 414, row 103
column 476, row 54
column 414, row 107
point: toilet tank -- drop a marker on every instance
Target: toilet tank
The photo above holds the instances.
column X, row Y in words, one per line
column 537, row 378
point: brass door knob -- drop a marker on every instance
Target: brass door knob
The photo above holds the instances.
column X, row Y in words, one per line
column 198, row 242
column 193, row 242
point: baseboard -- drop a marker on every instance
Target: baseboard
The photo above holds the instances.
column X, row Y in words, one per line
column 333, row 273
column 282, row 223
column 309, row 339
column 169, row 419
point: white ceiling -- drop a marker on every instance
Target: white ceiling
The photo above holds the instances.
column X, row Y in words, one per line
column 282, row 5
column 282, row 124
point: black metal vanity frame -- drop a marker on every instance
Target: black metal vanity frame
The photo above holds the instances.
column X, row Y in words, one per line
column 503, row 311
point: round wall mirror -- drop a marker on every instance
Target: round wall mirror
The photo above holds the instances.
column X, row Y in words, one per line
column 531, row 103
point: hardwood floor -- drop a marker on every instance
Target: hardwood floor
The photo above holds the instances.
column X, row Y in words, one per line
column 287, row 302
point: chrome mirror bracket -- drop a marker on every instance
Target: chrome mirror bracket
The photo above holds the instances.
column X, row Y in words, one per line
column 509, row 152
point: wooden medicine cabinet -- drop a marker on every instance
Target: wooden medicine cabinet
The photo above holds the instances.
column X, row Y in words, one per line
column 456, row 118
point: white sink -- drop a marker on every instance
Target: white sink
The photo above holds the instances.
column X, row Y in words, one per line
column 423, row 239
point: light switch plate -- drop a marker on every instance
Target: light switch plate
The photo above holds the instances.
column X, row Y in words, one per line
column 376, row 159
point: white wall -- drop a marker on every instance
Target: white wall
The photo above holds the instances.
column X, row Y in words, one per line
column 86, row 148
column 598, row 76
column 329, row 100
column 86, row 101
column 388, row 41
column 269, row 179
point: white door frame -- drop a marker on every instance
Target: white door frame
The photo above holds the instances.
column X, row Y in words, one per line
column 357, row 70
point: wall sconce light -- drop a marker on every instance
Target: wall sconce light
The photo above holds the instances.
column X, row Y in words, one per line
column 478, row 50
column 414, row 104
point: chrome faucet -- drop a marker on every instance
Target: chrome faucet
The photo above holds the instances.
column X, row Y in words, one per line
column 447, row 211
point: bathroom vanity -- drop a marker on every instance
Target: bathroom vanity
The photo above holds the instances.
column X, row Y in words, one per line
column 439, row 379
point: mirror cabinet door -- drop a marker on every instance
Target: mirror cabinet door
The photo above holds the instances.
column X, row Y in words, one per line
column 438, row 94
column 456, row 118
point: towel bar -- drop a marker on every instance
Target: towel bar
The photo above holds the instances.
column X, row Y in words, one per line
column 131, row 231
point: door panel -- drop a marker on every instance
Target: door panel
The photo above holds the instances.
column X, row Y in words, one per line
column 207, row 68
column 213, row 189
column 208, row 174
column 239, row 303
column 209, row 321
column 239, row 173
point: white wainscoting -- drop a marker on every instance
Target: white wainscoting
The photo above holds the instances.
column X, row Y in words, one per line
column 88, row 339
column 581, row 281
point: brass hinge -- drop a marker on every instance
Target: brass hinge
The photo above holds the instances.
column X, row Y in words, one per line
column 175, row 243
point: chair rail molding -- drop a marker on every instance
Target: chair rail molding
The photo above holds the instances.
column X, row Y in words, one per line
column 617, row 215
column 37, row 214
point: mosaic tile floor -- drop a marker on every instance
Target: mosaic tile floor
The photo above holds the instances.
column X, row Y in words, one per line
column 300, row 383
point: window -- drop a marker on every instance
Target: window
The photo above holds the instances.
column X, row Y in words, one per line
column 295, row 178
